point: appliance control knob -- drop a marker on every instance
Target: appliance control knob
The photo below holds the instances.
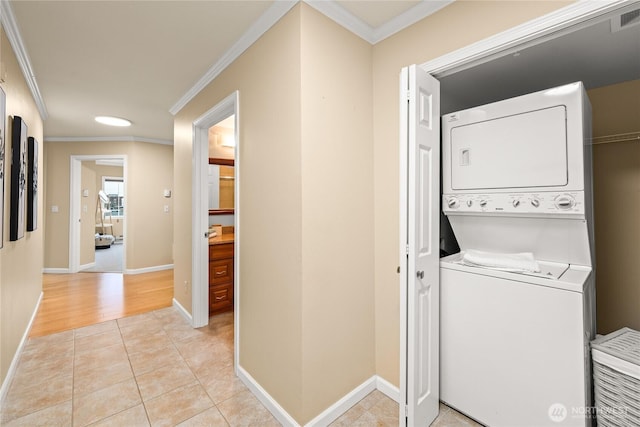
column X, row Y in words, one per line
column 469, row 202
column 483, row 203
column 565, row 202
column 453, row 203
column 535, row 203
column 516, row 203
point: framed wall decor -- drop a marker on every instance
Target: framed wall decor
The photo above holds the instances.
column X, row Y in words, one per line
column 18, row 178
column 3, row 118
column 32, row 184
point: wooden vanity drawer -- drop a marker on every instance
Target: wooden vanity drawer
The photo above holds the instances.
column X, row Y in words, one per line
column 224, row 250
column 220, row 271
column 220, row 297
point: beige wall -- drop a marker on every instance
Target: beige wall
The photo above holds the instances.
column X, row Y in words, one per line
column 87, row 214
column 149, row 230
column 456, row 26
column 338, row 328
column 21, row 261
column 616, row 179
column 267, row 76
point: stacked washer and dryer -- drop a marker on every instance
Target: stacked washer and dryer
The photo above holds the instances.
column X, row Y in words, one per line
column 517, row 304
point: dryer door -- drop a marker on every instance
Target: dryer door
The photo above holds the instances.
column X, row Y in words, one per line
column 517, row 151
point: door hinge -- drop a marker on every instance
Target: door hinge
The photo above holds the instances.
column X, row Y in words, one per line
column 406, row 411
column 406, row 250
column 409, row 93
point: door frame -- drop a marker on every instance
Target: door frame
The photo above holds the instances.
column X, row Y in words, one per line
column 75, row 173
column 200, row 215
column 555, row 24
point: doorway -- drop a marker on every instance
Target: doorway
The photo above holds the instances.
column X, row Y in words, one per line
column 201, row 218
column 97, row 231
column 562, row 23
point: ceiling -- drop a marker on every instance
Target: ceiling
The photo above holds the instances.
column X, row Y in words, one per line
column 144, row 60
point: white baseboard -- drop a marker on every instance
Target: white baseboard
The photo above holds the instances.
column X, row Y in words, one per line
column 334, row 411
column 16, row 357
column 148, row 269
column 55, row 270
column 86, row 266
column 388, row 389
column 183, row 311
column 265, row 398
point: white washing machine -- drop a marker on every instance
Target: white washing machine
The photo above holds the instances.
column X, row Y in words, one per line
column 514, row 342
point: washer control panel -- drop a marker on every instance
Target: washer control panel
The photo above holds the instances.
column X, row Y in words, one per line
column 570, row 203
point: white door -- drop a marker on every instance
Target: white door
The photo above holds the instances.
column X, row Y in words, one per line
column 420, row 254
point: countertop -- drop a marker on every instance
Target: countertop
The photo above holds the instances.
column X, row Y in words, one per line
column 221, row 239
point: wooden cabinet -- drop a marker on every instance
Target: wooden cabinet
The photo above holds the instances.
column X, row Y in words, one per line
column 220, row 277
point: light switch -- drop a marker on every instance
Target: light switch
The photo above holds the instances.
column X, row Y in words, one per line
column 166, row 193
column 54, row 209
column 85, row 192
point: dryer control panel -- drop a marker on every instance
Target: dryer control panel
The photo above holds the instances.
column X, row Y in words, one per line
column 565, row 204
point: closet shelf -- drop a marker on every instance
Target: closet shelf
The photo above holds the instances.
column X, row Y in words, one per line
column 611, row 139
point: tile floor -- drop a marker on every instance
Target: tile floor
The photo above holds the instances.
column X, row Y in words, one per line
column 152, row 369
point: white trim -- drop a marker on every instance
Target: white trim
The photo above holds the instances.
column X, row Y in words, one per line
column 56, row 270
column 343, row 17
column 388, row 389
column 16, row 357
column 200, row 213
column 265, row 398
column 107, row 139
column 272, row 15
column 85, row 266
column 346, row 19
column 531, row 32
column 182, row 311
column 148, row 269
column 334, row 411
column 11, row 27
column 408, row 18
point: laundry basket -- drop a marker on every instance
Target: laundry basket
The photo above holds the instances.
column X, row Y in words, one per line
column 616, row 378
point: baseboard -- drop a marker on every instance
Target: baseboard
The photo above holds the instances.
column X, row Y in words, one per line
column 16, row 357
column 265, row 398
column 334, row 411
column 55, row 270
column 148, row 269
column 86, row 266
column 183, row 311
column 388, row 389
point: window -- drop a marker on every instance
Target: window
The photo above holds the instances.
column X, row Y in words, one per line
column 114, row 187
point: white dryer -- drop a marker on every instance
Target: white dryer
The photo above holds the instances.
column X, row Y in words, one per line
column 514, row 345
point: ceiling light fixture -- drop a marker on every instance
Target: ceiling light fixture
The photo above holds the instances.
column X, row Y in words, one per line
column 113, row 121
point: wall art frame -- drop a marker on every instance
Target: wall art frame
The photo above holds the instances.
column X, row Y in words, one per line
column 18, row 178
column 32, row 184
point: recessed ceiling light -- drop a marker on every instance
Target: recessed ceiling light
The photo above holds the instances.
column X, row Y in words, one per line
column 113, row 121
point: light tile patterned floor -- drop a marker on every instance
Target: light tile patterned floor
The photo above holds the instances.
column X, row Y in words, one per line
column 153, row 369
column 149, row 369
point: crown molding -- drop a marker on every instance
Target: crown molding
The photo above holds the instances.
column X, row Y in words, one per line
column 272, row 15
column 408, row 18
column 13, row 34
column 106, row 139
column 343, row 17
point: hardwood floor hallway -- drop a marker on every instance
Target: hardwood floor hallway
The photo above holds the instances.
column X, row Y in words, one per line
column 81, row 299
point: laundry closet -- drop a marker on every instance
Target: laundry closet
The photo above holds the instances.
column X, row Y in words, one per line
column 606, row 58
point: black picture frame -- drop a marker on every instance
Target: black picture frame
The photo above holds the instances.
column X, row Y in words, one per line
column 18, row 178
column 3, row 156
column 32, row 184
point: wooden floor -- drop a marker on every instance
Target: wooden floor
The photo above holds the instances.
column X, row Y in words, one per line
column 74, row 300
